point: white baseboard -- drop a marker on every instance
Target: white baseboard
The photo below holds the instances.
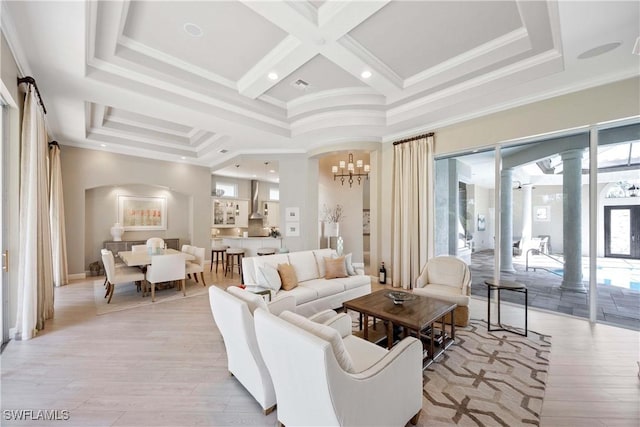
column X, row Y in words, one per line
column 78, row 276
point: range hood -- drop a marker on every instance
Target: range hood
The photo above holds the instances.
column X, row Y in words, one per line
column 255, row 205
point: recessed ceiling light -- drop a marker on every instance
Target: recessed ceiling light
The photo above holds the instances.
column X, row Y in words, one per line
column 103, row 145
column 366, row 74
column 599, row 50
column 273, row 76
column 183, row 158
column 193, row 30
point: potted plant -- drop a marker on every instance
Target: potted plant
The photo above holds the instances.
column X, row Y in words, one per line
column 331, row 218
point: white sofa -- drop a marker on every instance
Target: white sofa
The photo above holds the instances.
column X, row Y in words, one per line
column 314, row 293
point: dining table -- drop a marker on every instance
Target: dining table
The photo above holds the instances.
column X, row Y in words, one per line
column 143, row 258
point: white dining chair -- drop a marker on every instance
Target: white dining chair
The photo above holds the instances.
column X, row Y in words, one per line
column 166, row 268
column 155, row 242
column 196, row 266
column 138, row 248
column 116, row 276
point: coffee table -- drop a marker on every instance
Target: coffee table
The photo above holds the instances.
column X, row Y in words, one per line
column 416, row 316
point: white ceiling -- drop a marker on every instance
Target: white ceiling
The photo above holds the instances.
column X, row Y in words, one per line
column 126, row 75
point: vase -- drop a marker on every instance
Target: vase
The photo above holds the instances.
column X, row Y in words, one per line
column 116, row 232
column 331, row 229
column 340, row 246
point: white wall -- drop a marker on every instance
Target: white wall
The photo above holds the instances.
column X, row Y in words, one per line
column 100, row 214
column 87, row 169
column 332, row 193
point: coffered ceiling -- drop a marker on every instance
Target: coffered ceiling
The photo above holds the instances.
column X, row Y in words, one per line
column 207, row 81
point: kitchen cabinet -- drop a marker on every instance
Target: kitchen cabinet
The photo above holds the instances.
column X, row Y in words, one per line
column 230, row 213
column 272, row 216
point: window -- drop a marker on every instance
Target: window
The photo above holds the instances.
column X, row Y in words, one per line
column 225, row 189
column 274, row 193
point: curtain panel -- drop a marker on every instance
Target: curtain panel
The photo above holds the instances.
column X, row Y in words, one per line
column 35, row 271
column 412, row 243
column 56, row 218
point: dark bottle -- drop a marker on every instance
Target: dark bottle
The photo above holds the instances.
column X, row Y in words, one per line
column 383, row 274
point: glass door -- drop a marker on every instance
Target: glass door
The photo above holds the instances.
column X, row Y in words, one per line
column 622, row 231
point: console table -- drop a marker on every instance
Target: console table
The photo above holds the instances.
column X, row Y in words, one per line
column 125, row 245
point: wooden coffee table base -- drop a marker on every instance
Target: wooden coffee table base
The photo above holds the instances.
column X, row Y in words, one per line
column 419, row 317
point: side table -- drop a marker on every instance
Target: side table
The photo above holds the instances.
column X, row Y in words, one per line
column 505, row 285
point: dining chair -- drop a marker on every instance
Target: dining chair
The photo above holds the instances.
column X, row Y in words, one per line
column 155, row 242
column 196, row 266
column 166, row 268
column 138, row 248
column 115, row 276
column 118, row 264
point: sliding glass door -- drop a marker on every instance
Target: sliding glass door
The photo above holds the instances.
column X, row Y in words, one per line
column 528, row 213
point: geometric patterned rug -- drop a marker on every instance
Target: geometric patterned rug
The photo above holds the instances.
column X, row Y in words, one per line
column 487, row 379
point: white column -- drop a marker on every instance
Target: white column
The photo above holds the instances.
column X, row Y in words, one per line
column 526, row 216
column 506, row 221
column 572, row 221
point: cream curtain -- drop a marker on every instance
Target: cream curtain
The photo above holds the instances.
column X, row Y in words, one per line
column 35, row 272
column 56, row 218
column 412, row 209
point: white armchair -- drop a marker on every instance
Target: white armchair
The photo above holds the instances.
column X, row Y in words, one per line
column 447, row 278
column 119, row 275
column 233, row 313
column 324, row 378
column 166, row 268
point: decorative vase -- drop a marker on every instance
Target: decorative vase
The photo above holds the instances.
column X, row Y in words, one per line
column 116, row 232
column 340, row 246
column 331, row 229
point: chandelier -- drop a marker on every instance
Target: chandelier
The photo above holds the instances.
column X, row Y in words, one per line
column 357, row 169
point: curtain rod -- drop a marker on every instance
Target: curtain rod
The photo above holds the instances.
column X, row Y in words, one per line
column 54, row 143
column 30, row 80
column 402, row 141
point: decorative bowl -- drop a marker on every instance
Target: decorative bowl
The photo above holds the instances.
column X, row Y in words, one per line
column 400, row 297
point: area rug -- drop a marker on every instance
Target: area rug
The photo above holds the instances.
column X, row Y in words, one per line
column 487, row 379
column 126, row 296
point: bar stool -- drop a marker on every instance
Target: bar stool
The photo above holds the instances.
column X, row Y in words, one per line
column 234, row 255
column 266, row 251
column 217, row 256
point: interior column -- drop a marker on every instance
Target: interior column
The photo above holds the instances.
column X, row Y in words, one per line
column 572, row 220
column 526, row 217
column 506, row 220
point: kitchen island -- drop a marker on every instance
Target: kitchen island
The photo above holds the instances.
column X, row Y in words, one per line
column 249, row 244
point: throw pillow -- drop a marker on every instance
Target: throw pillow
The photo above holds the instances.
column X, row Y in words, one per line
column 287, row 276
column 268, row 277
column 348, row 263
column 334, row 268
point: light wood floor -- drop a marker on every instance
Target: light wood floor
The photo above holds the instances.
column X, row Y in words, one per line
column 165, row 365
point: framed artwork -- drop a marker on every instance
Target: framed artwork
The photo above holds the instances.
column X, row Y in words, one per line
column 137, row 213
column 542, row 213
column 482, row 223
column 366, row 222
column 293, row 229
column 292, row 214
